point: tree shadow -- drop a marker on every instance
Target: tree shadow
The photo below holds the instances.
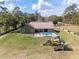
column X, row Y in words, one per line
column 65, row 49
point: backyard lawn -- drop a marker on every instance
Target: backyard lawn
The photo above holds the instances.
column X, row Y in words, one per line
column 23, row 46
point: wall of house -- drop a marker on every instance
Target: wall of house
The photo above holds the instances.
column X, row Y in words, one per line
column 43, row 30
column 26, row 30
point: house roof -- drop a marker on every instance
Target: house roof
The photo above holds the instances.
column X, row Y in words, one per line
column 42, row 25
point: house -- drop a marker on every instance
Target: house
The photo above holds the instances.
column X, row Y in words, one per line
column 41, row 26
column 42, row 29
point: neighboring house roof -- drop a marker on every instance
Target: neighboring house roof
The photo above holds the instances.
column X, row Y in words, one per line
column 42, row 25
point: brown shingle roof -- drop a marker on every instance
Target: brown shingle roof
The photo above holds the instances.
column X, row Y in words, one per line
column 42, row 25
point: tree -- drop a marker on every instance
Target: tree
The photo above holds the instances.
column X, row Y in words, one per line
column 69, row 13
column 76, row 18
column 4, row 17
column 71, row 9
column 55, row 18
column 16, row 10
column 32, row 17
column 18, row 15
column 12, row 21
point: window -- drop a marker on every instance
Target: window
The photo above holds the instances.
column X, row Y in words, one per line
column 45, row 30
column 36, row 31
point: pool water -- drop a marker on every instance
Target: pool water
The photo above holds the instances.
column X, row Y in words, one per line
column 48, row 34
column 45, row 33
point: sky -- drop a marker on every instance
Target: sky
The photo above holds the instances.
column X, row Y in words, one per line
column 45, row 7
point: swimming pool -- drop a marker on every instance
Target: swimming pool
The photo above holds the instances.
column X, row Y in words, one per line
column 47, row 34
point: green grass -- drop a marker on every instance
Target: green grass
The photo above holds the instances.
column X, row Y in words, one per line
column 22, row 42
column 15, row 39
column 16, row 43
column 69, row 38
